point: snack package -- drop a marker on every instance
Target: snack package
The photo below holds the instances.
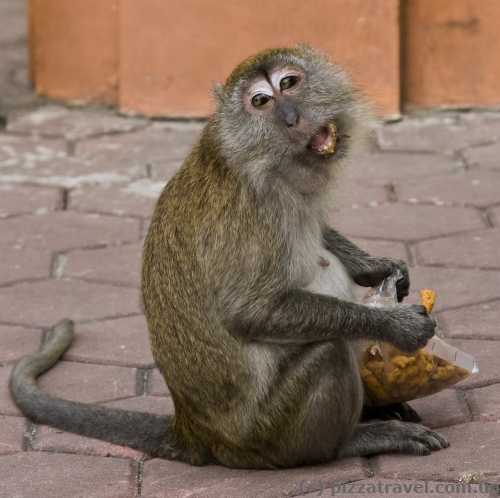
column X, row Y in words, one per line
column 391, row 376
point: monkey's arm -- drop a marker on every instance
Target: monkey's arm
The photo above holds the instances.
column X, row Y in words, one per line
column 300, row 316
column 366, row 270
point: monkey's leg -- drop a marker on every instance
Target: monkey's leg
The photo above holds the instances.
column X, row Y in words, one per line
column 393, row 436
column 142, row 431
column 309, row 412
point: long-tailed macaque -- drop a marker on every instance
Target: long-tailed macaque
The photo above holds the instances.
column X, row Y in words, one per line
column 248, row 292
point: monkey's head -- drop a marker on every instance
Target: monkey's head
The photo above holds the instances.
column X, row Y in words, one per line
column 291, row 107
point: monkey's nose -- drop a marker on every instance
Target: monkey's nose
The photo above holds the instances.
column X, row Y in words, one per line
column 291, row 118
column 289, row 111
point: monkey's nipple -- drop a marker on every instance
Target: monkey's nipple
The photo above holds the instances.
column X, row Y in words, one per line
column 323, row 141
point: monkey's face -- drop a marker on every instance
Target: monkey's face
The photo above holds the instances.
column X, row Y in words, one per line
column 278, row 97
column 290, row 106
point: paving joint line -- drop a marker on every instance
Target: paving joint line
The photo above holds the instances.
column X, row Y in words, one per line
column 29, row 436
column 486, row 217
column 59, row 261
column 465, row 398
column 140, row 477
column 141, row 381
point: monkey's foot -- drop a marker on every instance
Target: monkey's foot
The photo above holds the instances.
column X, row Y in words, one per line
column 392, row 436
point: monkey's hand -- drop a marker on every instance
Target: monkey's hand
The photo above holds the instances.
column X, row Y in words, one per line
column 410, row 327
column 373, row 272
column 363, row 268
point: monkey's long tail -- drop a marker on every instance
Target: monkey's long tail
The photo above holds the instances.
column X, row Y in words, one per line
column 142, row 431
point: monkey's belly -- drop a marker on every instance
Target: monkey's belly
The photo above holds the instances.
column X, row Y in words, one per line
column 331, row 277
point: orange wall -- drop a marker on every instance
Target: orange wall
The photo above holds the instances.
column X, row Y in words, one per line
column 169, row 57
column 451, row 53
column 160, row 57
column 74, row 49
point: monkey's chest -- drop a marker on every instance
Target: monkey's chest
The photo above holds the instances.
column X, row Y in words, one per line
column 328, row 276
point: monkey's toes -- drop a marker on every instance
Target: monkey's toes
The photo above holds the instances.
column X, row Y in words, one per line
column 433, row 440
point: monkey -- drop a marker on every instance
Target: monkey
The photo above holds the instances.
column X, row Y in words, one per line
column 248, row 292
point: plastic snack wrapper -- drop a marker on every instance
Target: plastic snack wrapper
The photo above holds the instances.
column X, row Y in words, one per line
column 391, row 376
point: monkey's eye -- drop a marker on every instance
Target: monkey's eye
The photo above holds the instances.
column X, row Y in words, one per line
column 288, row 82
column 260, row 99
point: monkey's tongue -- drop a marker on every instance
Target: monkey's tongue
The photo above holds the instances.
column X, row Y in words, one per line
column 324, row 140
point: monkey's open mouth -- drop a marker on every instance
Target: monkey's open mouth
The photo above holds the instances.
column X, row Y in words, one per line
column 324, row 140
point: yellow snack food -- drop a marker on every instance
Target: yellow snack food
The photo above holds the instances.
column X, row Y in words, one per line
column 391, row 376
column 427, row 298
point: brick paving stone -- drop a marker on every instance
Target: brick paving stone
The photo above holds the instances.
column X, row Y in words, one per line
column 118, row 264
column 473, row 453
column 59, row 121
column 486, row 354
column 11, row 434
column 487, row 156
column 454, row 287
column 450, row 131
column 363, row 194
column 123, row 342
column 476, row 249
column 406, row 222
column 88, row 383
column 162, row 479
column 156, row 384
column 29, row 152
column 144, row 147
column 164, row 170
column 382, row 248
column 50, row 439
column 485, row 403
column 65, row 230
column 24, row 263
column 394, row 166
column 442, row 409
column 135, row 199
column 480, row 188
column 50, row 475
column 15, row 200
column 392, row 488
column 472, row 322
column 16, row 342
column 7, row 405
column 43, row 304
column 72, row 172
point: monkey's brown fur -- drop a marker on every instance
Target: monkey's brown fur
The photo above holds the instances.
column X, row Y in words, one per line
column 251, row 317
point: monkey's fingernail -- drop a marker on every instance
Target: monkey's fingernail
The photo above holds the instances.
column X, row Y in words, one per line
column 324, row 261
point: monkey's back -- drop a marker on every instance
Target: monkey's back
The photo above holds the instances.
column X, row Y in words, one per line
column 203, row 364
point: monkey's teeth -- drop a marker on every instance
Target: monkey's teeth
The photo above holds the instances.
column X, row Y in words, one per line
column 324, row 141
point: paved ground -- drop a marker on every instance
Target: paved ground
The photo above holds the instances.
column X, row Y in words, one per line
column 77, row 187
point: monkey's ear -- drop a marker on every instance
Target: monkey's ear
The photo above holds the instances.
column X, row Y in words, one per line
column 218, row 92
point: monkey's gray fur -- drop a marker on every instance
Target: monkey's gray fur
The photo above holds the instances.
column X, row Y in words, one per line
column 248, row 292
